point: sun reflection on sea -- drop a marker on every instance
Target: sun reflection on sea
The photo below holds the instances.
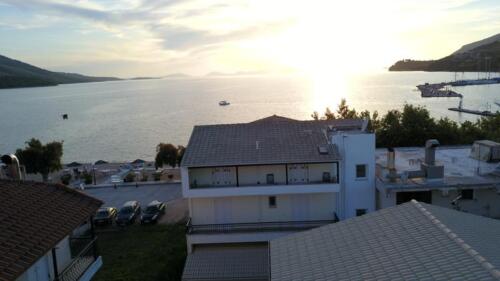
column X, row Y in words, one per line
column 327, row 90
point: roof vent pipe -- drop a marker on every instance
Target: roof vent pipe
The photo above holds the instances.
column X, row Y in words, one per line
column 391, row 164
column 430, row 151
column 391, row 158
column 13, row 166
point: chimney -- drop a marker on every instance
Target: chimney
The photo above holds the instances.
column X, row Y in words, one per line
column 429, row 167
column 391, row 164
column 13, row 167
column 430, row 151
column 391, row 158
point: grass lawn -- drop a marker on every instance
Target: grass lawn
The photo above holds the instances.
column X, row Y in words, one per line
column 142, row 253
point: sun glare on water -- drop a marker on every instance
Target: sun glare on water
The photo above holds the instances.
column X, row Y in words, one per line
column 331, row 41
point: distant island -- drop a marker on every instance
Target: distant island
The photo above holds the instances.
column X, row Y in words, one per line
column 17, row 74
column 480, row 56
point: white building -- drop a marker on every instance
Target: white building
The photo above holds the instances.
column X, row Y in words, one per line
column 253, row 182
column 40, row 231
column 465, row 178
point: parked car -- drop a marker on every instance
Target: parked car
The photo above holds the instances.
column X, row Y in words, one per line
column 153, row 212
column 128, row 213
column 105, row 215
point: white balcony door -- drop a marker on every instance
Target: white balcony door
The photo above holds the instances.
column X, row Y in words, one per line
column 300, row 207
column 222, row 207
column 221, row 176
column 298, row 174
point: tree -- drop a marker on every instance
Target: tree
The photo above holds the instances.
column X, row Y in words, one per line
column 180, row 153
column 413, row 126
column 87, row 177
column 166, row 153
column 130, row 177
column 41, row 158
column 344, row 112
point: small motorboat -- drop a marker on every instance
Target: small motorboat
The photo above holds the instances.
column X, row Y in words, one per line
column 65, row 116
column 222, row 103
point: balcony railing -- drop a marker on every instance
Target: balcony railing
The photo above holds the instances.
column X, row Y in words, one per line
column 256, row 226
column 81, row 262
column 290, row 183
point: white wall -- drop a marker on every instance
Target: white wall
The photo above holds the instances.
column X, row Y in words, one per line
column 356, row 193
column 289, row 207
column 43, row 269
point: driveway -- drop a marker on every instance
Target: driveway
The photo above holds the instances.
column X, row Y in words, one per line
column 144, row 194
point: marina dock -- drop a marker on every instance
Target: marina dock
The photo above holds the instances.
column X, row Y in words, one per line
column 472, row 111
column 435, row 90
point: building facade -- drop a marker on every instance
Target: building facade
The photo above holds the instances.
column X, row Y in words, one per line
column 46, row 230
column 465, row 178
column 253, row 182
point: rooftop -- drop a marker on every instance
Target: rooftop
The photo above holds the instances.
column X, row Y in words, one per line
column 228, row 262
column 459, row 168
column 271, row 140
column 412, row 241
column 35, row 217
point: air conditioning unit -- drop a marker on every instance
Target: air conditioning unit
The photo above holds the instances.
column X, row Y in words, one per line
column 485, row 150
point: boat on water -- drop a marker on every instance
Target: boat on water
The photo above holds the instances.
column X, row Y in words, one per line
column 222, row 103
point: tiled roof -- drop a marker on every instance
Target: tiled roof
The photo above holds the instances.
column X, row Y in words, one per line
column 34, row 217
column 412, row 241
column 272, row 140
column 232, row 262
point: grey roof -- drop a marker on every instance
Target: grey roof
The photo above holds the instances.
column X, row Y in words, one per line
column 272, row 140
column 230, row 262
column 412, row 241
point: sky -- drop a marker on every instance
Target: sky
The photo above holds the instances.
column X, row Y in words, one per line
column 130, row 38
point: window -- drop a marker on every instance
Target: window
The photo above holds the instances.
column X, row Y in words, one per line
column 361, row 171
column 272, row 202
column 270, row 178
column 326, row 177
column 467, row 194
column 360, row 212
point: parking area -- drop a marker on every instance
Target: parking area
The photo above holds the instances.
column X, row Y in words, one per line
column 144, row 194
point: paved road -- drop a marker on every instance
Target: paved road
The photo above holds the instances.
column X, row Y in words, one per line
column 144, row 194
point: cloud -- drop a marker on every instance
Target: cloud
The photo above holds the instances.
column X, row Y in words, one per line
column 245, row 32
column 157, row 17
column 182, row 38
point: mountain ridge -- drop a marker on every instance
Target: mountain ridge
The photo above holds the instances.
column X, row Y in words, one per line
column 18, row 74
column 479, row 56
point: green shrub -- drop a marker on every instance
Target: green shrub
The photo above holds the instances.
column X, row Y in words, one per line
column 87, row 177
column 130, row 177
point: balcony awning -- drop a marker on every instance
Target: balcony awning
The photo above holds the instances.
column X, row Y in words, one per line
column 228, row 262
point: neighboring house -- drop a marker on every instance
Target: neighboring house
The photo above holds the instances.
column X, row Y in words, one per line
column 465, row 178
column 46, row 233
column 412, row 241
column 253, row 182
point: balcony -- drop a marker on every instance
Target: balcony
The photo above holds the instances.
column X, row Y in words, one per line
column 256, row 226
column 84, row 256
column 264, row 175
